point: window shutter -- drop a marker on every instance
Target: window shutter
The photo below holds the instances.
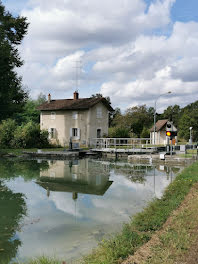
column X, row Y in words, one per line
column 49, row 133
column 71, row 132
column 78, row 135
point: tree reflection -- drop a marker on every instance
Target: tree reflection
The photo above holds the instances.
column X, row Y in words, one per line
column 28, row 169
column 12, row 209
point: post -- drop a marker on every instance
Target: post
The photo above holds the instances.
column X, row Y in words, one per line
column 154, row 121
column 190, row 141
column 171, row 147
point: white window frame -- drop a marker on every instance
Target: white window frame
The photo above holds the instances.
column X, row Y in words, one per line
column 99, row 112
column 74, row 132
column 75, row 115
column 52, row 132
column 75, row 135
column 53, row 115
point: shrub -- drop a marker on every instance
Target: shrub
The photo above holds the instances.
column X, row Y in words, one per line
column 30, row 135
column 118, row 132
column 7, row 130
column 25, row 136
column 145, row 133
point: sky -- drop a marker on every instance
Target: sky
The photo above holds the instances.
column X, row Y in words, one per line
column 134, row 51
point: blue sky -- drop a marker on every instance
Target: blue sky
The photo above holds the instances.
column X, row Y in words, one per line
column 185, row 11
column 133, row 53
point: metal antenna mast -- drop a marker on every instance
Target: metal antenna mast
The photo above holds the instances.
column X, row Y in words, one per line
column 78, row 67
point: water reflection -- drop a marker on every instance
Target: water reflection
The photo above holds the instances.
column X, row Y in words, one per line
column 71, row 176
column 12, row 209
column 72, row 201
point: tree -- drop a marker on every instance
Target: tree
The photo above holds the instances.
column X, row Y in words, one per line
column 173, row 113
column 114, row 116
column 30, row 112
column 12, row 93
column 139, row 117
column 99, row 95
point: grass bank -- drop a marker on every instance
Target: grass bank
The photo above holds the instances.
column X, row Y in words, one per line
column 142, row 226
column 177, row 242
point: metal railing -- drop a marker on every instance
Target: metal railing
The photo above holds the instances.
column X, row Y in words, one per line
column 122, row 143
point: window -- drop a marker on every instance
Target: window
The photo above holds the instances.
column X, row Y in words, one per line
column 74, row 177
column 98, row 179
column 99, row 112
column 52, row 174
column 53, row 115
column 52, row 132
column 74, row 115
column 75, row 133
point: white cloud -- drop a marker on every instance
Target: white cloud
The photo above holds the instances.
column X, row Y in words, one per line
column 121, row 45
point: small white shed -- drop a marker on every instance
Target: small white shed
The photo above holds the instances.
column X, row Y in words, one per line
column 160, row 132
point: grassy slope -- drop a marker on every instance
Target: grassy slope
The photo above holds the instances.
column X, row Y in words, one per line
column 177, row 238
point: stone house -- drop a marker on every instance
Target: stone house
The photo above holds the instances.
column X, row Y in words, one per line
column 79, row 120
column 160, row 133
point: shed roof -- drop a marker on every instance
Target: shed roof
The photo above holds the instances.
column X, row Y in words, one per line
column 159, row 125
column 74, row 104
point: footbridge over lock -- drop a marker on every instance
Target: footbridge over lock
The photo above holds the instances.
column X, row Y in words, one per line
column 123, row 145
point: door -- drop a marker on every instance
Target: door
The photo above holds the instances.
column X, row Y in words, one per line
column 98, row 133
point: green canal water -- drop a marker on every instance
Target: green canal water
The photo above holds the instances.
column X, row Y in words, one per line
column 65, row 208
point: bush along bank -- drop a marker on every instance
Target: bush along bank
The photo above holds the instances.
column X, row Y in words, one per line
column 24, row 136
column 143, row 225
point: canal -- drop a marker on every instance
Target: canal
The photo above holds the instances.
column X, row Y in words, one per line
column 65, row 208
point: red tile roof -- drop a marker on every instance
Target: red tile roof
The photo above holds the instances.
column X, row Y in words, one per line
column 159, row 125
column 74, row 104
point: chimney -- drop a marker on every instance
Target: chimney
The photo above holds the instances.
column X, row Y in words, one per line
column 49, row 98
column 76, row 95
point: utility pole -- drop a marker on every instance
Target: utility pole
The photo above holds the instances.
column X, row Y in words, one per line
column 78, row 68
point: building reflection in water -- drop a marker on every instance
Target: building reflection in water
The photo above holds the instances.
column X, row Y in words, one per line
column 76, row 176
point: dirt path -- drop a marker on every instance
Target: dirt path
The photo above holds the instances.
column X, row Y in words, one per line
column 177, row 241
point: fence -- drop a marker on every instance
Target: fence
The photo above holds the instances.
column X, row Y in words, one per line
column 122, row 143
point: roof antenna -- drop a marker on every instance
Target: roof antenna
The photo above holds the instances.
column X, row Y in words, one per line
column 78, row 68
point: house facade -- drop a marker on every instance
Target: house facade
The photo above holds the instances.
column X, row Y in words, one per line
column 79, row 120
column 160, row 133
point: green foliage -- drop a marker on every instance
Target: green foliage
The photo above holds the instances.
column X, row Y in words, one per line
column 172, row 113
column 135, row 119
column 12, row 208
column 99, row 95
column 43, row 260
column 144, row 224
column 114, row 116
column 30, row 112
column 118, row 132
column 7, row 129
column 189, row 119
column 139, row 119
column 29, row 135
column 24, row 136
column 145, row 133
column 12, row 94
